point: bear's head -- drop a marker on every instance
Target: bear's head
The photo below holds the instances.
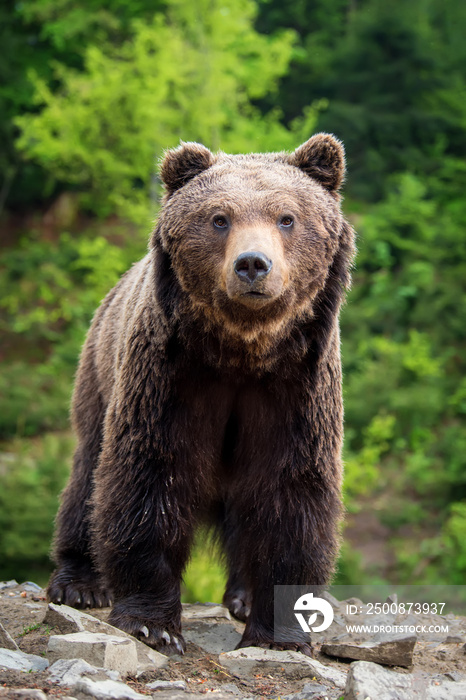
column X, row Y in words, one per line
column 252, row 240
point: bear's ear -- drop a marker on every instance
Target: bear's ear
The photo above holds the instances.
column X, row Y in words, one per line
column 322, row 158
column 183, row 163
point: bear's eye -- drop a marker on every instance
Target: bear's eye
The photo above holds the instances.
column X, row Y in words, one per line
column 286, row 221
column 220, row 222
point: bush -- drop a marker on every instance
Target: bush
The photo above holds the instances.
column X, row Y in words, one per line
column 33, row 473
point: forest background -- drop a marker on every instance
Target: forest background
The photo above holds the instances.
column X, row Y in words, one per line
column 93, row 91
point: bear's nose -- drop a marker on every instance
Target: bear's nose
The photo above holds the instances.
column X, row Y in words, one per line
column 252, row 266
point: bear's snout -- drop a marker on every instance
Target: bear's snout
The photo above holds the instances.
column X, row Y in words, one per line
column 252, row 266
column 255, row 270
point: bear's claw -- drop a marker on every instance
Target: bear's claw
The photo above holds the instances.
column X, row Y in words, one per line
column 77, row 589
column 238, row 602
column 159, row 636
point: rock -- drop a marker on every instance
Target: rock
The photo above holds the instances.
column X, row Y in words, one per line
column 68, row 672
column 167, row 685
column 210, row 626
column 6, row 640
column 213, row 637
column 109, row 651
column 353, row 601
column 311, row 691
column 232, row 689
column 19, row 661
column 31, row 587
column 104, row 690
column 455, row 676
column 198, row 611
column 454, row 639
column 331, row 599
column 367, row 680
column 246, row 662
column 446, row 690
column 68, row 620
column 392, row 651
column 8, row 584
column 23, row 694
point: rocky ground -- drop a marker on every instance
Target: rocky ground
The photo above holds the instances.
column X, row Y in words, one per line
column 55, row 651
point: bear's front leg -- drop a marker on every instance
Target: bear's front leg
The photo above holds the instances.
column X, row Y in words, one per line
column 297, row 545
column 142, row 537
column 144, row 506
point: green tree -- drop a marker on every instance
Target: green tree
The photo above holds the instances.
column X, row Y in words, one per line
column 190, row 74
column 392, row 75
column 403, row 340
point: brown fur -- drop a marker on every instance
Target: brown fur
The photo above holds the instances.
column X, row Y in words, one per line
column 205, row 394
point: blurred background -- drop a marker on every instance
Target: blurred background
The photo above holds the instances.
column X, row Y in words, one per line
column 92, row 91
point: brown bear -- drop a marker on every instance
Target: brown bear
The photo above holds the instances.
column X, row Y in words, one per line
column 209, row 389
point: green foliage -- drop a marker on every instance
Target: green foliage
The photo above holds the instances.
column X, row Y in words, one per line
column 362, row 468
column 45, row 287
column 32, row 474
column 48, row 294
column 391, row 73
column 35, row 398
column 349, row 570
column 204, row 579
column 190, row 73
column 100, row 89
column 402, row 340
column 70, row 25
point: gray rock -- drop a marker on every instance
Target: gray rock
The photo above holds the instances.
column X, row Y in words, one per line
column 454, row 639
column 107, row 690
column 167, row 685
column 331, row 599
column 8, row 584
column 68, row 672
column 393, row 651
column 31, row 587
column 198, row 611
column 108, row 651
column 214, row 637
column 455, row 676
column 246, row 662
column 232, row 689
column 6, row 640
column 19, row 661
column 446, row 690
column 311, row 691
column 368, row 681
column 68, row 620
column 353, row 601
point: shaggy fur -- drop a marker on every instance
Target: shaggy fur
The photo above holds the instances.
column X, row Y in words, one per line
column 209, row 388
